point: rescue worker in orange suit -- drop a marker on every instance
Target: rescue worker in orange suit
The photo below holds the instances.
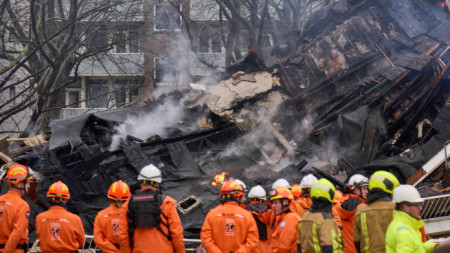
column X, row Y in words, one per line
column 245, row 190
column 257, row 196
column 373, row 218
column 14, row 211
column 150, row 222
column 284, row 235
column 318, row 231
column 106, row 224
column 228, row 227
column 296, row 190
column 294, row 206
column 57, row 229
column 355, row 197
column 305, row 201
column 338, row 198
column 268, row 216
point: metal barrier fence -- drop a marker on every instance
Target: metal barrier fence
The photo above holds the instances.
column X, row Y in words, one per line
column 436, row 206
column 192, row 245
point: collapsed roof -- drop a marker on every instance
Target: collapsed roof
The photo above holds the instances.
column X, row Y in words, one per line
column 365, row 88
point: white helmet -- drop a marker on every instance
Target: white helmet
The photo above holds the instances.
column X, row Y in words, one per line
column 281, row 182
column 244, row 187
column 150, row 172
column 358, row 180
column 406, row 193
column 257, row 192
column 308, row 181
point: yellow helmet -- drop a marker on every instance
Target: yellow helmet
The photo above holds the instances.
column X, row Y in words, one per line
column 383, row 180
column 323, row 188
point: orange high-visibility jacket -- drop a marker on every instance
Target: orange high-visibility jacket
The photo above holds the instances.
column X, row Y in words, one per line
column 14, row 214
column 347, row 218
column 150, row 239
column 263, row 245
column 229, row 228
column 59, row 230
column 284, row 236
column 306, row 203
column 268, row 217
column 106, row 229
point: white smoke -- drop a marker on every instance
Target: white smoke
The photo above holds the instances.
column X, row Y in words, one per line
column 156, row 122
column 169, row 113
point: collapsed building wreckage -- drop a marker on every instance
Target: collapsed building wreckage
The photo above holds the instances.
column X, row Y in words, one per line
column 366, row 88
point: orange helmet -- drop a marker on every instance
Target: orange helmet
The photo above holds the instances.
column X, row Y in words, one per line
column 231, row 188
column 281, row 193
column 296, row 190
column 58, row 190
column 18, row 173
column 338, row 197
column 119, row 190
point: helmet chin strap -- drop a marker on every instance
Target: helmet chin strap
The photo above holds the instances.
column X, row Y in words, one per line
column 283, row 206
column 21, row 188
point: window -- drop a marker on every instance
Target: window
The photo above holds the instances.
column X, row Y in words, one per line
column 165, row 71
column 97, row 93
column 203, row 43
column 134, row 94
column 126, row 90
column 167, row 17
column 216, row 44
column 121, row 42
column 133, row 41
column 209, row 43
column 127, row 39
column 98, row 40
column 72, row 93
column 74, row 99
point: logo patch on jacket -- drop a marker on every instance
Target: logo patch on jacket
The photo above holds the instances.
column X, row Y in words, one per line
column 283, row 223
column 229, row 227
column 55, row 231
column 115, row 226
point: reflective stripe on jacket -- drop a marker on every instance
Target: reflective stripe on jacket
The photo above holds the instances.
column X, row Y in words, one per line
column 403, row 235
column 14, row 214
column 59, row 230
column 150, row 239
column 284, row 236
column 229, row 228
column 318, row 232
column 371, row 223
column 348, row 218
column 106, row 229
column 306, row 202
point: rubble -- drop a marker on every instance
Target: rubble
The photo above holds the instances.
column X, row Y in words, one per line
column 365, row 89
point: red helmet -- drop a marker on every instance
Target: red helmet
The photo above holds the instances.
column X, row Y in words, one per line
column 296, row 190
column 281, row 193
column 231, row 187
column 119, row 190
column 17, row 173
column 58, row 190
